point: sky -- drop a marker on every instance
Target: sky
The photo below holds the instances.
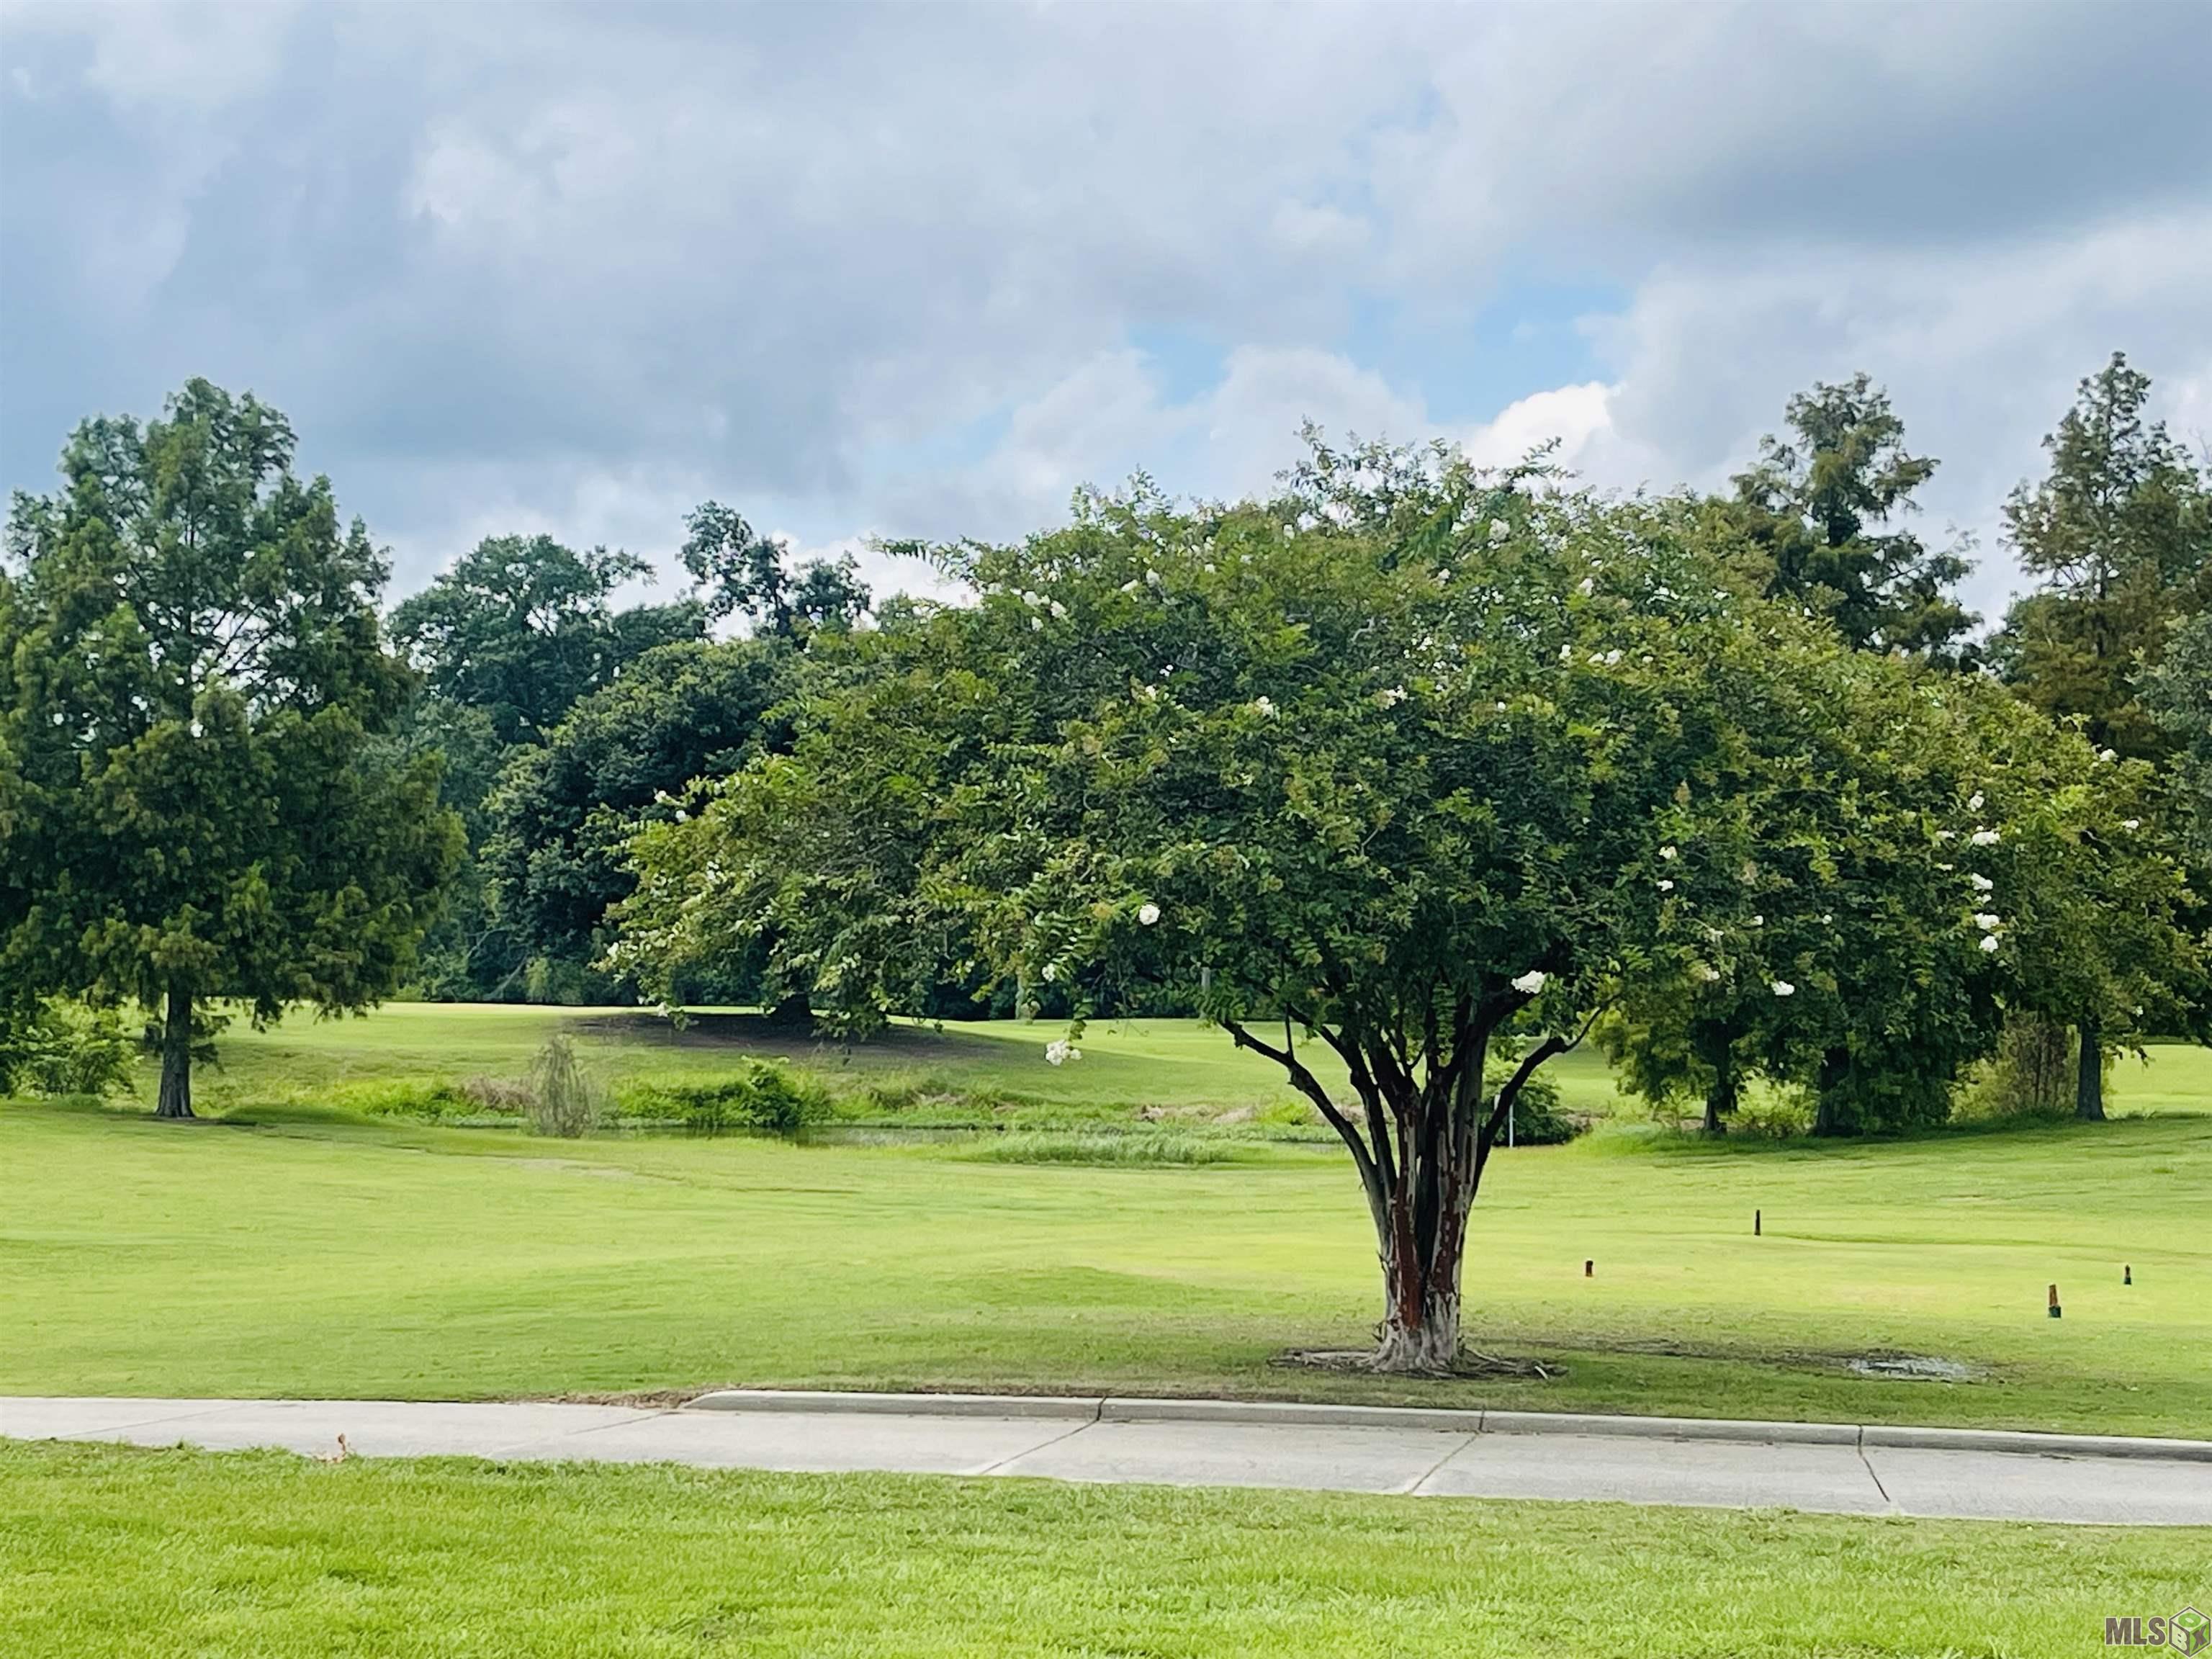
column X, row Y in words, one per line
column 921, row 270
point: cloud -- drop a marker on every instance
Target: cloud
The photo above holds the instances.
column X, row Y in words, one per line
column 923, row 270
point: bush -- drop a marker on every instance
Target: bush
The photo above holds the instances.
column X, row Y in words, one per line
column 62, row 1048
column 765, row 1095
column 564, row 1100
column 439, row 1101
column 2031, row 1075
column 1538, row 1119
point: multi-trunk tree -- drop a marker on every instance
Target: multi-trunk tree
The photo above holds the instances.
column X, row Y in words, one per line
column 197, row 806
column 1395, row 776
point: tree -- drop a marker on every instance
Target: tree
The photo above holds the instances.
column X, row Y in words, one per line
column 198, row 806
column 2178, row 693
column 2103, row 931
column 1390, row 761
column 521, row 627
column 2119, row 532
column 559, row 825
column 745, row 574
column 1818, row 508
column 1863, row 980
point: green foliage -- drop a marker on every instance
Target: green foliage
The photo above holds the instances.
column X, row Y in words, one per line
column 556, row 839
column 2119, row 533
column 521, row 627
column 1390, row 759
column 745, row 574
column 1819, row 511
column 199, row 803
column 764, row 1096
column 1537, row 1119
column 62, row 1048
column 2178, row 693
column 564, row 1100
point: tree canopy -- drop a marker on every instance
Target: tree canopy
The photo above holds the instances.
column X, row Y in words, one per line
column 197, row 804
column 1821, row 507
column 521, row 627
column 560, row 824
column 2119, row 535
column 1420, row 762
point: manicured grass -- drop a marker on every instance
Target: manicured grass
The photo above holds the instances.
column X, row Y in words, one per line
column 1176, row 1064
column 113, row 1551
column 321, row 1254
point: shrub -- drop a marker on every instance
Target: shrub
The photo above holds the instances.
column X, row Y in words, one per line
column 1538, row 1119
column 65, row 1049
column 2031, row 1075
column 764, row 1096
column 564, row 1100
column 439, row 1101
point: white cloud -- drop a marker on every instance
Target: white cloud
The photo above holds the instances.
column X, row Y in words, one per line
column 573, row 269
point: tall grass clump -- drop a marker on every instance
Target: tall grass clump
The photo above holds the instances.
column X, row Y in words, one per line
column 564, row 1099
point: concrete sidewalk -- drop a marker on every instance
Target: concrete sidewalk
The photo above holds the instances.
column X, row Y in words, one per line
column 1832, row 1467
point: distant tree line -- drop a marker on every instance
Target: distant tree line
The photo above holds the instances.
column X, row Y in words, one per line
column 1732, row 780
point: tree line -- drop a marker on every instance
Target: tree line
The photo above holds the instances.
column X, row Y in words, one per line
column 1445, row 769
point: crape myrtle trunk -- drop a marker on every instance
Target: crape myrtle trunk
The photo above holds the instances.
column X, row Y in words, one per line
column 176, row 1096
column 1419, row 1135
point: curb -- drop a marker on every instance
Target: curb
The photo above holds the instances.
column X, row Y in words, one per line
column 897, row 1405
column 1110, row 1409
column 2044, row 1445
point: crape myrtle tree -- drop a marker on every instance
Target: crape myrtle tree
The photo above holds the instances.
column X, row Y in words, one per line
column 1379, row 772
column 199, row 807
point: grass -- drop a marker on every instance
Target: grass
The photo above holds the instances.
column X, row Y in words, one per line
column 116, row 1551
column 316, row 1252
column 1173, row 1065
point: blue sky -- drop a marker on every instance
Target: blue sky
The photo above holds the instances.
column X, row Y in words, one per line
column 923, row 270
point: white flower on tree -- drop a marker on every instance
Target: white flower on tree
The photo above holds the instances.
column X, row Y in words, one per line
column 1982, row 882
column 1985, row 838
column 1668, row 854
column 1988, row 921
column 1666, row 886
column 1148, row 912
column 1061, row 1051
column 1530, row 982
column 1782, row 988
column 1974, row 802
column 1990, row 943
column 2130, row 824
column 1051, row 972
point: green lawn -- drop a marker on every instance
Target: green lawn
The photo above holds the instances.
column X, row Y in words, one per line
column 318, row 1253
column 113, row 1551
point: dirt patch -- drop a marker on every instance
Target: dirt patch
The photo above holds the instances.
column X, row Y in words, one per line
column 1469, row 1364
column 1913, row 1368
